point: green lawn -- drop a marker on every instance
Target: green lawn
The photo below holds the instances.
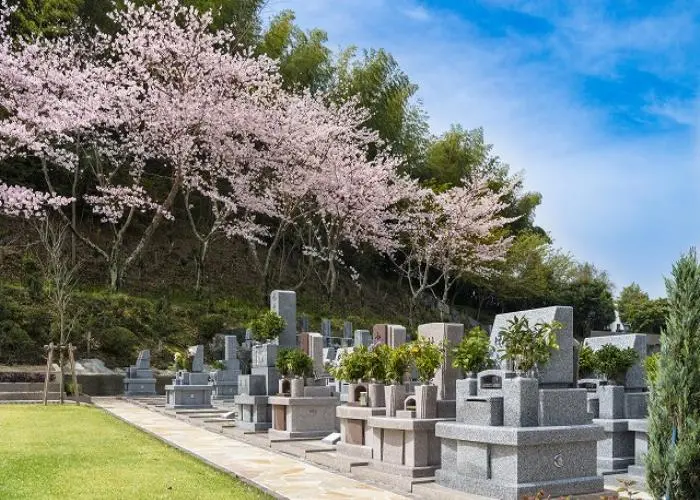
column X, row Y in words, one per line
column 81, row 452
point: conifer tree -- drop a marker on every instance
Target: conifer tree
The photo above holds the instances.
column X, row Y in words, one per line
column 673, row 460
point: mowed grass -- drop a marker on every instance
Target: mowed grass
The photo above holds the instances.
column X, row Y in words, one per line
column 81, row 452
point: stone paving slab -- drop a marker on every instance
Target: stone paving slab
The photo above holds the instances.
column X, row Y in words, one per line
column 276, row 474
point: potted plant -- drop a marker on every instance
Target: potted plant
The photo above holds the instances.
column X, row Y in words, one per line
column 473, row 353
column 527, row 346
column 353, row 368
column 300, row 365
column 398, row 362
column 377, row 374
column 267, row 326
column 264, row 329
column 586, row 362
column 427, row 357
column 282, row 365
column 613, row 362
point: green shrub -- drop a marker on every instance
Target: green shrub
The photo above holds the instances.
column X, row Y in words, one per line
column 398, row 363
column 117, row 346
column 473, row 353
column 267, row 326
column 613, row 362
column 282, row 361
column 209, row 325
column 378, row 363
column 16, row 347
column 586, row 362
column 528, row 346
column 651, row 367
column 32, row 278
column 427, row 357
column 300, row 363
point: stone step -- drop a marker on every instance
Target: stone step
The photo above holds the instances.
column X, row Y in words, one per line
column 327, row 459
column 27, row 387
column 28, row 396
column 433, row 491
column 395, row 482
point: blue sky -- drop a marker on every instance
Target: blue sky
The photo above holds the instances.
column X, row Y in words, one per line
column 595, row 101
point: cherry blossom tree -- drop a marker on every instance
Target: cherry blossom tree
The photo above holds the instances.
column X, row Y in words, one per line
column 446, row 234
column 158, row 107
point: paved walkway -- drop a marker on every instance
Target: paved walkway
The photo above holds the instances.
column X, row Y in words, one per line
column 276, row 474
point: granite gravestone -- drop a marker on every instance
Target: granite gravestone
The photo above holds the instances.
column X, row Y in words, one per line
column 559, row 370
column 284, row 303
column 225, row 381
column 139, row 379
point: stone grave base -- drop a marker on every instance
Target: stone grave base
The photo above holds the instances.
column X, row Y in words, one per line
column 224, row 389
column 616, row 451
column 641, row 446
column 509, row 462
column 139, row 386
column 187, row 396
column 302, row 417
column 507, row 490
column 405, row 446
column 254, row 414
column 355, row 446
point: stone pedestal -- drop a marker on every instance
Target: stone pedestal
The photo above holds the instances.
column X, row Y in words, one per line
column 640, row 427
column 355, row 433
column 616, row 451
column 139, row 380
column 224, row 383
column 190, row 390
column 511, row 439
column 405, row 446
column 187, row 396
column 254, row 414
column 302, row 417
column 394, row 396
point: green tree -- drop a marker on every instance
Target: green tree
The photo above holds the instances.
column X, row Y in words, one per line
column 674, row 404
column 382, row 87
column 43, row 17
column 304, row 58
column 589, row 291
column 641, row 313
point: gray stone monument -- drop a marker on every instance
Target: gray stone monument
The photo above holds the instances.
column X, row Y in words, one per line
column 190, row 389
column 447, row 375
column 254, row 412
column 395, row 335
column 284, row 303
column 512, row 439
column 347, row 333
column 139, row 380
column 316, row 353
column 559, row 370
column 362, row 337
column 635, row 379
column 225, row 382
column 326, row 331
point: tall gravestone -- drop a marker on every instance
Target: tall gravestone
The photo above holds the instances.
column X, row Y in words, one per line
column 447, row 375
column 284, row 303
column 225, row 381
column 326, row 331
column 559, row 370
column 362, row 337
column 347, row 333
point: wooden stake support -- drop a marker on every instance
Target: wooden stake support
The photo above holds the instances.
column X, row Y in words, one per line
column 70, row 349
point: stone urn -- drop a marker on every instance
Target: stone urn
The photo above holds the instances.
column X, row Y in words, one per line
column 394, row 396
column 297, row 388
column 375, row 393
column 426, row 401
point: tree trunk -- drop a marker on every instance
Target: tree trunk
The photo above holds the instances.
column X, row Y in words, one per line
column 60, row 365
column 199, row 261
column 116, row 273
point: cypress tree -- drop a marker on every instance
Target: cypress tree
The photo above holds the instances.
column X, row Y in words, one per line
column 674, row 405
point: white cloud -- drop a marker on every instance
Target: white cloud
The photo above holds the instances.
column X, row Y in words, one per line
column 620, row 201
column 417, row 13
